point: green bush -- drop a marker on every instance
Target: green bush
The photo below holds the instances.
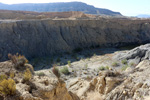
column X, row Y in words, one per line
column 69, row 63
column 124, row 67
column 124, row 61
column 107, row 67
column 115, row 64
column 102, row 68
column 8, row 87
column 64, row 70
column 41, row 74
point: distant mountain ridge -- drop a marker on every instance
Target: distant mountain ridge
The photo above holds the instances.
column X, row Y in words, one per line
column 59, row 7
column 143, row 16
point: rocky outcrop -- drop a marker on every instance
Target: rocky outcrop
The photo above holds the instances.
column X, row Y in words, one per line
column 112, row 85
column 36, row 38
column 37, row 88
column 101, row 85
column 137, row 54
column 136, row 85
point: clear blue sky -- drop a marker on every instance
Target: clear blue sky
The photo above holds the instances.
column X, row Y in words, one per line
column 126, row 7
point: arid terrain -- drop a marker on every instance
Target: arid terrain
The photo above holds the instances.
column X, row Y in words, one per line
column 73, row 56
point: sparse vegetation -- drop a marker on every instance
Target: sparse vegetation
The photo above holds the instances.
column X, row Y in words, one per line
column 132, row 64
column 7, row 87
column 18, row 60
column 12, row 74
column 115, row 64
column 65, row 70
column 69, row 63
column 55, row 70
column 107, row 67
column 41, row 74
column 124, row 61
column 103, row 68
column 94, row 54
column 27, row 75
column 124, row 67
column 2, row 77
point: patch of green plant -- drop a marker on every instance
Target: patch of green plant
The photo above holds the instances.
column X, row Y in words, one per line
column 41, row 74
column 58, row 64
column 124, row 67
column 64, row 70
column 88, row 59
column 132, row 64
column 102, row 68
column 115, row 64
column 124, row 61
column 107, row 67
column 69, row 63
column 94, row 54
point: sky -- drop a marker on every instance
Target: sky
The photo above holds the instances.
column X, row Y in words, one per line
column 125, row 7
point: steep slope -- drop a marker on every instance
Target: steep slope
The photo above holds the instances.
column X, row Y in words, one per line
column 35, row 38
column 59, row 7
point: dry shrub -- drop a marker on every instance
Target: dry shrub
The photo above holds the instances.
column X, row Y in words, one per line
column 7, row 87
column 12, row 74
column 94, row 96
column 27, row 75
column 2, row 77
column 18, row 60
column 56, row 71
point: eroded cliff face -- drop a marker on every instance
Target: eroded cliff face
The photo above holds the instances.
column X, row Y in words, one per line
column 35, row 38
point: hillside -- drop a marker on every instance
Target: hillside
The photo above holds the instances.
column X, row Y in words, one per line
column 60, row 7
column 36, row 38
